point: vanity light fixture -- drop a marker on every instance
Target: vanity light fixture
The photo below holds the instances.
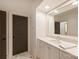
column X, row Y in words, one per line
column 55, row 11
column 47, row 7
column 75, row 3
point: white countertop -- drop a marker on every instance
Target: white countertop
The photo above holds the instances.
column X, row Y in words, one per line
column 73, row 51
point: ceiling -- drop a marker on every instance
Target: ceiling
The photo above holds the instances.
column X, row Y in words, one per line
column 19, row 4
column 52, row 5
column 22, row 2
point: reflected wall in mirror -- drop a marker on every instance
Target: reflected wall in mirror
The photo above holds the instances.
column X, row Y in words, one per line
column 64, row 23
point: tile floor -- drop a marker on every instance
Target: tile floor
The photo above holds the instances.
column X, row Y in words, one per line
column 24, row 55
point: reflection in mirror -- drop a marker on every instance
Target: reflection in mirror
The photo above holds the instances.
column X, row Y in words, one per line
column 61, row 28
column 64, row 22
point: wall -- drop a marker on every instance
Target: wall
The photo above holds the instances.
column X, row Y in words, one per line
column 41, row 26
column 25, row 8
column 41, row 23
column 71, row 17
column 50, row 23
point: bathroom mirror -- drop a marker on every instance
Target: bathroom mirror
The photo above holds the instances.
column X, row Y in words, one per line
column 63, row 20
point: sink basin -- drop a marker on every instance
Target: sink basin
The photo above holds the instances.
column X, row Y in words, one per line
column 67, row 45
column 64, row 44
column 55, row 42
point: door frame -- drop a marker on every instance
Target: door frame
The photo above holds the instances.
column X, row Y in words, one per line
column 9, row 31
column 9, row 34
column 26, row 31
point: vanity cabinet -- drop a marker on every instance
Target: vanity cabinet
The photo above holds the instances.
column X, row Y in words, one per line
column 47, row 52
column 64, row 55
column 53, row 53
column 43, row 51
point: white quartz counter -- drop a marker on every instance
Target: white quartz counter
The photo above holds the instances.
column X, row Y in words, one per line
column 73, row 51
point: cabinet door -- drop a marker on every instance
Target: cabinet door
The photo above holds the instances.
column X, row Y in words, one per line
column 64, row 55
column 53, row 52
column 43, row 51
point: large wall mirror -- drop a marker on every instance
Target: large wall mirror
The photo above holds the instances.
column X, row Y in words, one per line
column 63, row 20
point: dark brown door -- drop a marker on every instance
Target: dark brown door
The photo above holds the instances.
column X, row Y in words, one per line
column 57, row 27
column 2, row 35
column 20, row 34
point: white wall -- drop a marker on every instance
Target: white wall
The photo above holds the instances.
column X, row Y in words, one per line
column 25, row 8
column 50, row 25
column 41, row 24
